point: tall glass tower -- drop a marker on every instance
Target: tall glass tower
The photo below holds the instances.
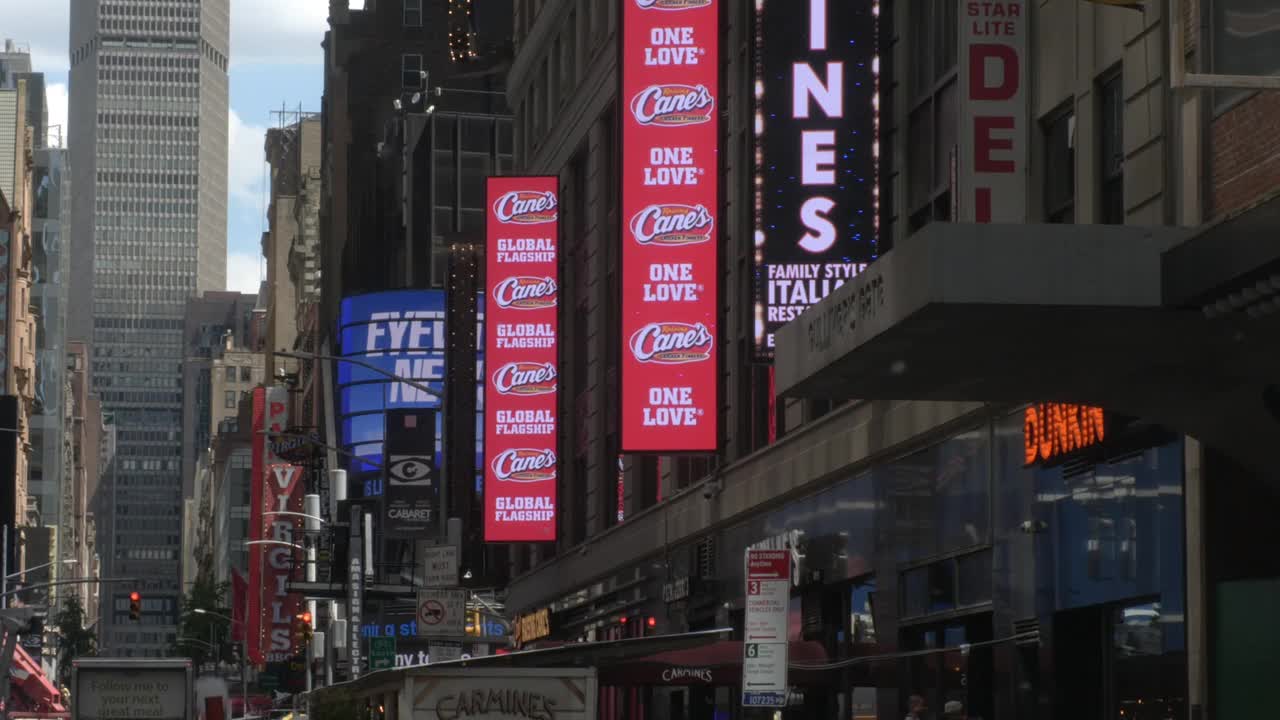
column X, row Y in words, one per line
column 148, row 141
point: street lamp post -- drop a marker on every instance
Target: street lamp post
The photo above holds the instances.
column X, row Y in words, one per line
column 244, row 658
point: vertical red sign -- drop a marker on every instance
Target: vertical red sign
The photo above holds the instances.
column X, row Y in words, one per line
column 270, row 415
column 282, row 493
column 670, row 85
column 521, row 336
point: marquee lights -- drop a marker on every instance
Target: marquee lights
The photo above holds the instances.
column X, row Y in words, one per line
column 816, row 194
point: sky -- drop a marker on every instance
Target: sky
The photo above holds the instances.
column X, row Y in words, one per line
column 276, row 62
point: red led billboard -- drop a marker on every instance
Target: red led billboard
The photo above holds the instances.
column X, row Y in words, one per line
column 521, row 337
column 670, row 84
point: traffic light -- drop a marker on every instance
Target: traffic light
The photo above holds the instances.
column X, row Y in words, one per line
column 135, row 606
column 473, row 627
column 302, row 630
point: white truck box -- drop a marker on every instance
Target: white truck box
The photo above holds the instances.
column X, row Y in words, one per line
column 131, row 689
column 500, row 693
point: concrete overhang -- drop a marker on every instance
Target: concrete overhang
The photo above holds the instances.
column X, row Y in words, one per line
column 1048, row 313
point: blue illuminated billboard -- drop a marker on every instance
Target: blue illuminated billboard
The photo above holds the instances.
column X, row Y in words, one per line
column 403, row 333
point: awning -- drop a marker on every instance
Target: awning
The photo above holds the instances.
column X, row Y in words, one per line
column 39, row 695
column 702, row 658
column 1109, row 316
column 718, row 663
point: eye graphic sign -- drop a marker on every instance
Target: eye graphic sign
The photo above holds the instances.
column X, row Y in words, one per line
column 670, row 84
column 411, row 498
column 817, row 124
column 521, row 338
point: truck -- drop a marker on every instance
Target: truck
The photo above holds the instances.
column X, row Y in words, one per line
column 460, row 693
column 132, row 689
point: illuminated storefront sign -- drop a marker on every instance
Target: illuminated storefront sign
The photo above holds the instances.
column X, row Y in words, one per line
column 817, row 123
column 1050, row 430
column 521, row 340
column 532, row 627
column 670, row 83
column 993, row 115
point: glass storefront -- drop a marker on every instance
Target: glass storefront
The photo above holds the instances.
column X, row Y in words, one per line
column 947, row 562
column 959, row 580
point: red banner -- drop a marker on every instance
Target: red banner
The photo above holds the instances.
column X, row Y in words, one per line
column 521, row 337
column 270, row 415
column 670, row 85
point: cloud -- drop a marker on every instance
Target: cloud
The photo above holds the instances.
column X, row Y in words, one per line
column 44, row 27
column 56, row 100
column 246, row 162
column 278, row 31
column 244, row 272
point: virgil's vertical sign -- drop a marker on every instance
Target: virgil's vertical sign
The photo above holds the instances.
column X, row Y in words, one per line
column 817, row 125
column 670, row 85
column 521, row 338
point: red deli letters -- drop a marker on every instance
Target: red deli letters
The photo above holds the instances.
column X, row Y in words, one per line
column 670, row 88
column 521, row 334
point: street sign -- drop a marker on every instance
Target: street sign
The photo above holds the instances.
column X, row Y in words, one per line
column 444, row 651
column 382, row 653
column 439, row 565
column 768, row 596
column 442, row 613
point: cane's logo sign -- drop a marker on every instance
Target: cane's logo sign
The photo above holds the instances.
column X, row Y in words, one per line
column 525, row 378
column 672, row 343
column 673, row 105
column 525, row 207
column 525, row 293
column 524, row 465
column 671, row 4
column 672, row 224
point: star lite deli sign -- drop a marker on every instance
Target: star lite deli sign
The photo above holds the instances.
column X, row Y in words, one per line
column 670, row 81
column 521, row 338
column 992, row 166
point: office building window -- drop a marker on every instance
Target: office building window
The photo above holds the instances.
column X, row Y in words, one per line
column 229, row 401
column 413, row 13
column 246, row 374
column 231, row 373
column 411, row 72
column 1111, row 146
column 931, row 127
column 1059, row 165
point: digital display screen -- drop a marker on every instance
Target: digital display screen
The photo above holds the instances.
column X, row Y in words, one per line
column 522, row 281
column 670, row 130
column 817, row 150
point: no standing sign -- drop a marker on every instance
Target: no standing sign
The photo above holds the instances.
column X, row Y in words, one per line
column 764, row 663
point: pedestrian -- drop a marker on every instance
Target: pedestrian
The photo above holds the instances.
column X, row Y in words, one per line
column 916, row 708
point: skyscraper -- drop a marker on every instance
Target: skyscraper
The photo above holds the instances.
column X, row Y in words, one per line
column 148, row 109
